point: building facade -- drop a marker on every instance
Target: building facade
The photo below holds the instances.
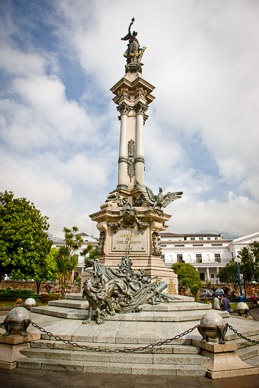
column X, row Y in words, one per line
column 206, row 252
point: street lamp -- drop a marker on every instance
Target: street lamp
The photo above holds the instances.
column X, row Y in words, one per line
column 237, row 260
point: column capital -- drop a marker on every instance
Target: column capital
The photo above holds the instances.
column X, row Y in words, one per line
column 124, row 108
column 140, row 108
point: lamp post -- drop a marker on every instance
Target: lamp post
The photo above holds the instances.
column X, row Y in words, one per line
column 237, row 260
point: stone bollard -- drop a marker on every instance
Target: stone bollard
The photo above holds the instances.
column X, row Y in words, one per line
column 223, row 360
column 16, row 337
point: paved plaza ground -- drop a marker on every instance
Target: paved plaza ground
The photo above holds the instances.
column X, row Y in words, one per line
column 25, row 378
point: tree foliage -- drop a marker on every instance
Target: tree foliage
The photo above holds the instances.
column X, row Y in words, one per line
column 66, row 259
column 250, row 262
column 188, row 277
column 24, row 241
column 228, row 274
column 89, row 253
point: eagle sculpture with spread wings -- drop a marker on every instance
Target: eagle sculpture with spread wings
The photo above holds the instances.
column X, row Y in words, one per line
column 160, row 200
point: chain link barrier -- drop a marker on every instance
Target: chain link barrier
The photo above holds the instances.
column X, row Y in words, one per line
column 241, row 335
column 129, row 350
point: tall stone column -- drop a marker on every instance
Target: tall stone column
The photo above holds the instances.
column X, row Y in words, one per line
column 140, row 110
column 124, row 110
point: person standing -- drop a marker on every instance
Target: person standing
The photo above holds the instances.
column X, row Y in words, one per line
column 225, row 305
column 216, row 305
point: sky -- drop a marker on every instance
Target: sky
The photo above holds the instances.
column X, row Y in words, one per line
column 59, row 128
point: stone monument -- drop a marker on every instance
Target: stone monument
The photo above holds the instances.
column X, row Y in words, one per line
column 132, row 218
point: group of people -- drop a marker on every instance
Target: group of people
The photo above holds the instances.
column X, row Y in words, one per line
column 221, row 304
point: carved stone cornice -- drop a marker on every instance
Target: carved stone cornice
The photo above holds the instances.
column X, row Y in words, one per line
column 140, row 108
column 124, row 108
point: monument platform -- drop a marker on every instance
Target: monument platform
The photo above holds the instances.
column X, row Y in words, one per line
column 183, row 309
column 123, row 333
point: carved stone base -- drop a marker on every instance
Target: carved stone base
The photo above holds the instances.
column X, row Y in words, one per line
column 223, row 360
column 10, row 348
column 128, row 223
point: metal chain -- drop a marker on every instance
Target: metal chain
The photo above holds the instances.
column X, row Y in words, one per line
column 132, row 350
column 241, row 335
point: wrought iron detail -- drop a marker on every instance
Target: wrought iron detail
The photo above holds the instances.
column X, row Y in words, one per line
column 241, row 335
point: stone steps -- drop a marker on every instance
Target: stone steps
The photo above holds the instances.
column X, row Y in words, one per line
column 61, row 312
column 115, row 368
column 164, row 312
column 248, row 352
column 113, row 357
column 147, row 316
column 165, row 349
column 69, row 303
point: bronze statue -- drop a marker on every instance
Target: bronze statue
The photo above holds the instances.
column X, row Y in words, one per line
column 160, row 200
column 109, row 290
column 133, row 53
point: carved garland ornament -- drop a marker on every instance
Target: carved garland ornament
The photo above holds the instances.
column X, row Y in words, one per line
column 130, row 161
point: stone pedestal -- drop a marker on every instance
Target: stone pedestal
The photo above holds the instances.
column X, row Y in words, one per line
column 223, row 360
column 10, row 347
column 127, row 223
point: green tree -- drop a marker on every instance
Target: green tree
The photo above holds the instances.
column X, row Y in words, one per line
column 249, row 263
column 254, row 249
column 188, row 277
column 24, row 241
column 228, row 274
column 66, row 259
column 89, row 253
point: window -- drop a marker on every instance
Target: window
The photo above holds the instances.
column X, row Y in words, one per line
column 198, row 258
column 216, row 245
column 217, row 258
column 192, row 238
column 200, row 238
column 180, row 258
column 197, row 245
column 208, row 238
column 212, row 276
column 202, row 276
column 179, row 245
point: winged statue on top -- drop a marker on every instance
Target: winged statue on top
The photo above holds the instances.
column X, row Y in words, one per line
column 160, row 200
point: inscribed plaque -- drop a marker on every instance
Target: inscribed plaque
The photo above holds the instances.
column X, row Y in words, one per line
column 126, row 239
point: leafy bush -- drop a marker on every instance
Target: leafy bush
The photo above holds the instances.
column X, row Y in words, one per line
column 15, row 294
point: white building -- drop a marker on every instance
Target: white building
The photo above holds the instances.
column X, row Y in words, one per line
column 206, row 252
column 239, row 243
